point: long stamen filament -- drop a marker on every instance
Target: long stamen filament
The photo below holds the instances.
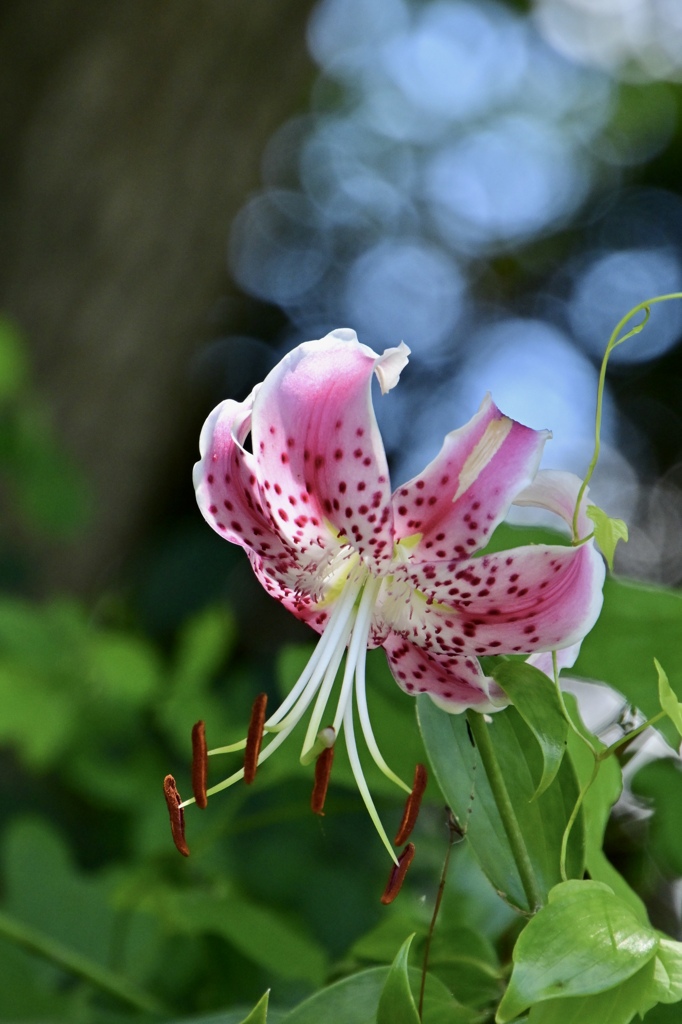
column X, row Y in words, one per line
column 337, row 624
column 363, row 715
column 305, row 697
column 357, row 647
column 309, row 749
column 356, row 768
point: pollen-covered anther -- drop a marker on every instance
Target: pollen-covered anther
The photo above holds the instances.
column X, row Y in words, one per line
column 323, row 770
column 397, row 876
column 412, row 805
column 254, row 737
column 176, row 814
column 199, row 764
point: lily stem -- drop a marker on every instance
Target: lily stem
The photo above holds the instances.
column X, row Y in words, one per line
column 75, row 963
column 505, row 809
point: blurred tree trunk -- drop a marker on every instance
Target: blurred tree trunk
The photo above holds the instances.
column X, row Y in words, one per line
column 132, row 133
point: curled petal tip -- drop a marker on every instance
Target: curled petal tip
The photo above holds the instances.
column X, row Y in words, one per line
column 390, row 365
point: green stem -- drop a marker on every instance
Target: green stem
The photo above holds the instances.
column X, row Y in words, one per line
column 571, row 821
column 75, row 963
column 629, row 736
column 479, row 731
column 614, row 342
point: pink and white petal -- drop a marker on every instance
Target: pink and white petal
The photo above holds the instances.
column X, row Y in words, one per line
column 321, row 460
column 566, row 658
column 453, row 683
column 226, row 484
column 285, row 586
column 537, row 598
column 557, row 492
column 462, row 495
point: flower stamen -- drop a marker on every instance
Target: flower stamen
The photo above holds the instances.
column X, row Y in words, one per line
column 397, row 876
column 412, row 805
column 323, row 769
column 199, row 764
column 176, row 814
column 254, row 737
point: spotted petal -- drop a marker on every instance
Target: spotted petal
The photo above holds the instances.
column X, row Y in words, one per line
column 462, row 495
column 319, row 452
column 454, row 683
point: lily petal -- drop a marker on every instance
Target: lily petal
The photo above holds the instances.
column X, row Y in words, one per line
column 557, row 491
column 454, row 683
column 321, row 461
column 537, row 598
column 462, row 495
column 225, row 481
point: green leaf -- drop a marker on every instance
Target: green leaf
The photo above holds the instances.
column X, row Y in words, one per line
column 599, row 799
column 458, row 769
column 259, row 932
column 13, row 365
column 668, row 971
column 259, row 1014
column 617, row 1005
column 636, row 622
column 355, row 1000
column 669, row 702
column 535, row 698
column 396, row 1005
column 607, row 532
column 660, row 783
column 585, row 941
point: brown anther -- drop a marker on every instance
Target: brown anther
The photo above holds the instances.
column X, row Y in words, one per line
column 254, row 737
column 323, row 769
column 199, row 764
column 412, row 804
column 398, row 872
column 176, row 814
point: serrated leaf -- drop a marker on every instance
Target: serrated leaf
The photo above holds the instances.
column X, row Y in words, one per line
column 535, row 698
column 396, row 1004
column 607, row 532
column 461, row 777
column 585, row 941
column 668, row 699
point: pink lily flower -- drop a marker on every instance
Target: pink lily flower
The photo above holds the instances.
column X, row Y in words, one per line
column 311, row 504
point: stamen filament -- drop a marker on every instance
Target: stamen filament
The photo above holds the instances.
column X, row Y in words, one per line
column 356, row 768
column 367, row 732
column 337, row 624
column 230, row 749
column 357, row 647
column 308, row 751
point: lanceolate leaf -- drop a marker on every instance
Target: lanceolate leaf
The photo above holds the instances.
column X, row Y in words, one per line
column 669, row 701
column 259, row 1014
column 536, row 700
column 396, row 1005
column 461, row 777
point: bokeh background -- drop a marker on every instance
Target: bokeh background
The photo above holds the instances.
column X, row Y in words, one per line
column 186, row 192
